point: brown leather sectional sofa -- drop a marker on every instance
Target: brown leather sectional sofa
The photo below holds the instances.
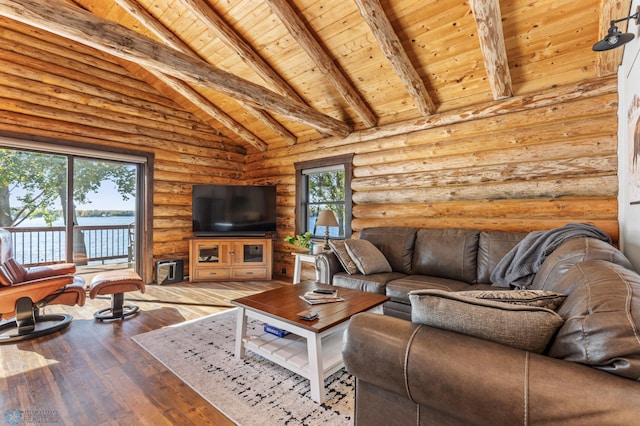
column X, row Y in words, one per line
column 411, row 373
column 445, row 259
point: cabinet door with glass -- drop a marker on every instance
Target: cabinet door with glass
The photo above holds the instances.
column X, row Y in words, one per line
column 211, row 253
column 250, row 253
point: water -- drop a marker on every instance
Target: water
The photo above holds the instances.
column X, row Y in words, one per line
column 82, row 221
column 49, row 246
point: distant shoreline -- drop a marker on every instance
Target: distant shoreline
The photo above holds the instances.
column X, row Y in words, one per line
column 82, row 221
column 104, row 213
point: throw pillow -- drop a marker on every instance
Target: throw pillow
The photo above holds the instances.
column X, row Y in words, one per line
column 14, row 271
column 524, row 327
column 367, row 257
column 339, row 248
column 539, row 298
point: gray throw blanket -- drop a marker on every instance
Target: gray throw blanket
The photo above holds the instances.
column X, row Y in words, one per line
column 519, row 266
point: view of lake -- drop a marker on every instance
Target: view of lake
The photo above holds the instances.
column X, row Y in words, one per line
column 47, row 245
column 82, row 221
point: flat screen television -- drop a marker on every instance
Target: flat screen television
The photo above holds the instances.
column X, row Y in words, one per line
column 233, row 210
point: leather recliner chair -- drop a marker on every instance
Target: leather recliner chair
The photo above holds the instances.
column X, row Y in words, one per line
column 25, row 292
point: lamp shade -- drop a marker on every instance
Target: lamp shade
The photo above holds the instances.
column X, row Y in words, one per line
column 326, row 218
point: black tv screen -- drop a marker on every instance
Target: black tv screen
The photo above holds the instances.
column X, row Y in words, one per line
column 233, row 209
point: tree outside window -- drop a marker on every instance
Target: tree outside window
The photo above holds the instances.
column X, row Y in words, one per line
column 325, row 192
column 324, row 184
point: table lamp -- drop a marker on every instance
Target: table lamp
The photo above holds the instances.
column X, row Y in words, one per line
column 326, row 218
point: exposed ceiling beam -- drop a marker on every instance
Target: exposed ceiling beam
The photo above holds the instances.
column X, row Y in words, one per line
column 607, row 62
column 374, row 15
column 489, row 22
column 305, row 38
column 252, row 58
column 166, row 36
column 229, row 36
column 83, row 27
column 201, row 102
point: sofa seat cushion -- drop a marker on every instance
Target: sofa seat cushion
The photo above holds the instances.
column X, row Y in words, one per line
column 446, row 253
column 524, row 327
column 397, row 310
column 602, row 313
column 374, row 283
column 398, row 290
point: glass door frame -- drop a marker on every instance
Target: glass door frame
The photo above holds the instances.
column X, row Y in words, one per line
column 144, row 186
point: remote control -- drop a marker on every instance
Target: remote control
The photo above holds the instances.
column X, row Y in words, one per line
column 308, row 315
column 324, row 291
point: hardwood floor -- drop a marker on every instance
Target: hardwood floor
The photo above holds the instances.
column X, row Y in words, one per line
column 93, row 373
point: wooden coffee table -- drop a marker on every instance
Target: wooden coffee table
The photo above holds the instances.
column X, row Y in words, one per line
column 314, row 349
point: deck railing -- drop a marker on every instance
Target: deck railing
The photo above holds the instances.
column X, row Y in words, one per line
column 92, row 244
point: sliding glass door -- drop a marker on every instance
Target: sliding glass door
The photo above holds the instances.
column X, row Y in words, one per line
column 103, row 213
column 71, row 208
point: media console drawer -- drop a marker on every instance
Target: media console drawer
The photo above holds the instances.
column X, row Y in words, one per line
column 250, row 273
column 206, row 274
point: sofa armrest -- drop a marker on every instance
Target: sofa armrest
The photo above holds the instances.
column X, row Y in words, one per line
column 471, row 381
column 327, row 265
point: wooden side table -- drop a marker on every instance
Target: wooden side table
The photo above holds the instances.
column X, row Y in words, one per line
column 297, row 267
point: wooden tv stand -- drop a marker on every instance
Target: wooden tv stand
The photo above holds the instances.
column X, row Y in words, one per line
column 227, row 258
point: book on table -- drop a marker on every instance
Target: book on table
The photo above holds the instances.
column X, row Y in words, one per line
column 317, row 298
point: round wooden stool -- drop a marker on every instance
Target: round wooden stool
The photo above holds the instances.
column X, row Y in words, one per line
column 115, row 283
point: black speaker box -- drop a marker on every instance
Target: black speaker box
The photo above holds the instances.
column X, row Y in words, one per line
column 169, row 271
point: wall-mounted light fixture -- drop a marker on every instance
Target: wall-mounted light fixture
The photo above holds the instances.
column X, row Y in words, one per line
column 614, row 37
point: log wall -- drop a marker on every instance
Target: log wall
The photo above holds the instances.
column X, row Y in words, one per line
column 526, row 163
column 83, row 97
column 529, row 163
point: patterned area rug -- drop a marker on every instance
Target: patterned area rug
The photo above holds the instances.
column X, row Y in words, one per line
column 251, row 391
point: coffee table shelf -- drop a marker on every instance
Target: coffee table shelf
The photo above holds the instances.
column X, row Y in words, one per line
column 314, row 349
column 291, row 351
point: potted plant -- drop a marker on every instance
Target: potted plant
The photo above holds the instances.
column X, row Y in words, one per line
column 303, row 241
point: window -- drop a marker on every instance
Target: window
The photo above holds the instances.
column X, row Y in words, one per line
column 324, row 184
column 80, row 204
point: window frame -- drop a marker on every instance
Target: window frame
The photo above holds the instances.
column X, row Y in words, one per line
column 344, row 161
column 145, row 179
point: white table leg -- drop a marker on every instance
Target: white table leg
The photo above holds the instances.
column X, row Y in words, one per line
column 316, row 371
column 241, row 332
column 297, row 266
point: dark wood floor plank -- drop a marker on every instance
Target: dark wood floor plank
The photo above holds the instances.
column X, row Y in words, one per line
column 94, row 373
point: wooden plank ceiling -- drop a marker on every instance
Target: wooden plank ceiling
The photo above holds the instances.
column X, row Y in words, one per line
column 271, row 73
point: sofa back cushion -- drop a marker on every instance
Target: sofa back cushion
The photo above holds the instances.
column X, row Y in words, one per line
column 568, row 254
column 447, row 253
column 602, row 318
column 492, row 247
column 396, row 244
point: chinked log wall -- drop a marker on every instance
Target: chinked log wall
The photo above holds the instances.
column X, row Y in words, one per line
column 523, row 164
column 81, row 96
